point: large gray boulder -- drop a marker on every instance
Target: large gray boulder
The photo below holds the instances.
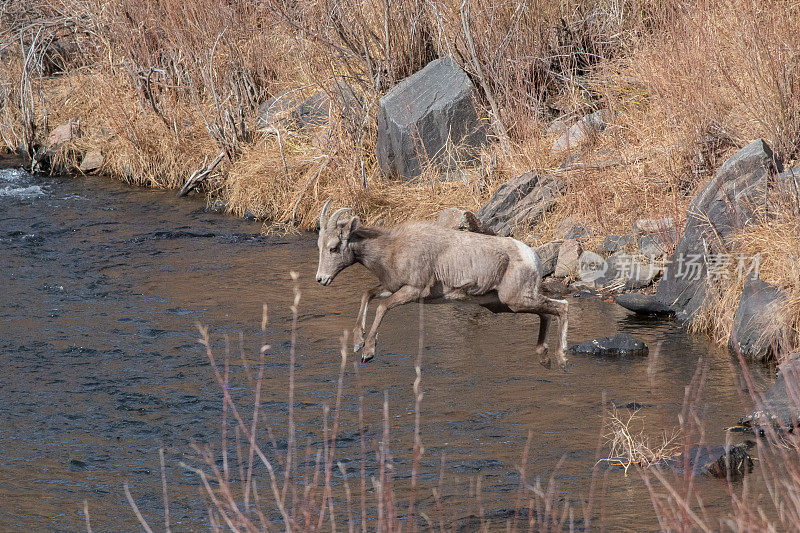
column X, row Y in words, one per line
column 643, row 304
column 523, row 200
column 756, row 331
column 726, row 203
column 780, row 406
column 421, row 114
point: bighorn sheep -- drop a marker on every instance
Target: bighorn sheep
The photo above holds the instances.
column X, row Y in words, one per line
column 430, row 263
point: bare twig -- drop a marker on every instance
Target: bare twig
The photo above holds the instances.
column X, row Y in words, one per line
column 497, row 121
column 199, row 175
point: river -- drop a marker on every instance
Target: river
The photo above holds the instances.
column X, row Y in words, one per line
column 103, row 284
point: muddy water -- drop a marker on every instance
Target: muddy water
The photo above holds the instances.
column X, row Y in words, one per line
column 99, row 365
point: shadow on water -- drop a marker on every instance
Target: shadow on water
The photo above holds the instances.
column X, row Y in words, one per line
column 103, row 284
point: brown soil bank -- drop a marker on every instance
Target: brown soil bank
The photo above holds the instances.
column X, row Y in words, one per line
column 277, row 106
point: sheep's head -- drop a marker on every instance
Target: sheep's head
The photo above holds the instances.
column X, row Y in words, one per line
column 335, row 253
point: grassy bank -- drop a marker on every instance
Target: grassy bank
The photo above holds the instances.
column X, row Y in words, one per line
column 161, row 88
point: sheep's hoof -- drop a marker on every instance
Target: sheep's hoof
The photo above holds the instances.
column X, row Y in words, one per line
column 357, row 347
column 367, row 358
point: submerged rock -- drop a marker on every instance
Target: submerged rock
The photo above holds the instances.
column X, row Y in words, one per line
column 620, row 344
column 420, row 116
column 724, row 462
column 756, row 327
column 780, row 407
column 522, row 200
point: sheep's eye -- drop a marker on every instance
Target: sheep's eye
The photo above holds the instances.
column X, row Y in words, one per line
column 335, row 249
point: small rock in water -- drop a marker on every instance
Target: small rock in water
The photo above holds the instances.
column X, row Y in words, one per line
column 779, row 408
column 620, row 344
column 643, row 304
column 722, row 462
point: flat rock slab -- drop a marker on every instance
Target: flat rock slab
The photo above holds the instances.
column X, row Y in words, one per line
column 724, row 462
column 643, row 304
column 780, row 407
column 620, row 344
column 522, row 200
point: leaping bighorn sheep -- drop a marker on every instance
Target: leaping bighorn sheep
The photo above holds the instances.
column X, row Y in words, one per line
column 430, row 263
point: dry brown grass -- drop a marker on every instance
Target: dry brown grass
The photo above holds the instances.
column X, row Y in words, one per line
column 630, row 444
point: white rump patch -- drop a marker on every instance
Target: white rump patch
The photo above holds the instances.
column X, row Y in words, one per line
column 529, row 256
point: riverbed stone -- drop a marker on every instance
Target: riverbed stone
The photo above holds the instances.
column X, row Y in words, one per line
column 92, row 161
column 569, row 254
column 462, row 220
column 548, row 256
column 757, row 332
column 621, row 344
column 422, row 114
column 780, row 407
column 62, row 134
column 591, row 267
column 569, row 229
column 644, row 304
column 582, row 131
column 521, row 201
column 655, row 245
column 721, row 461
column 642, row 275
column 614, row 243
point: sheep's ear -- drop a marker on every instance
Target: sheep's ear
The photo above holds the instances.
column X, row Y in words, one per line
column 323, row 216
column 348, row 226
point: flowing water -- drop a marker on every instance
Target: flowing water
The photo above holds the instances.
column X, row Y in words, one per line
column 102, row 285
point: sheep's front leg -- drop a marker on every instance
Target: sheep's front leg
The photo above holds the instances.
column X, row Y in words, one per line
column 361, row 320
column 406, row 294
